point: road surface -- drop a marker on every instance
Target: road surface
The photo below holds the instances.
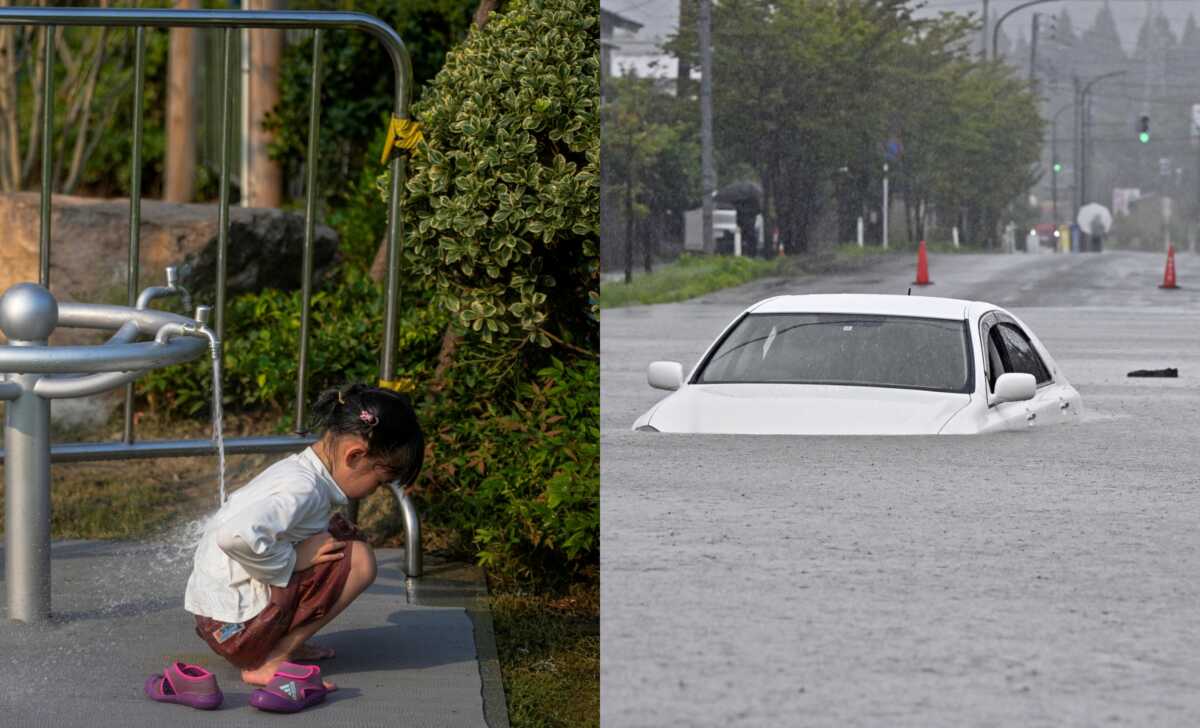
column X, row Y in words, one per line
column 1041, row 578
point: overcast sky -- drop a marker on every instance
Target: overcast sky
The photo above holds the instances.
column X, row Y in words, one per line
column 660, row 18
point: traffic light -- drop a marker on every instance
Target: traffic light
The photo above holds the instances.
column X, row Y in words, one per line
column 1144, row 129
column 1057, row 167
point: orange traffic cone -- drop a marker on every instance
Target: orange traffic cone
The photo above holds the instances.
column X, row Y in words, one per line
column 1169, row 273
column 922, row 266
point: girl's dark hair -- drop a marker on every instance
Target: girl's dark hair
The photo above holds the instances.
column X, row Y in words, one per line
column 381, row 417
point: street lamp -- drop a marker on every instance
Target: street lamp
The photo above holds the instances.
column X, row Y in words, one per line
column 1081, row 100
column 1056, row 167
column 996, row 27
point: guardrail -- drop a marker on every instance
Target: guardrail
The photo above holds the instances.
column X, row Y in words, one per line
column 230, row 21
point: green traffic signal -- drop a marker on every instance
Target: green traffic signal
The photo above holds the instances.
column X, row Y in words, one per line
column 1057, row 167
column 1144, row 137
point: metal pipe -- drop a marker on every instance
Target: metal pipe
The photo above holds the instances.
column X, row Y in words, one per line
column 135, row 201
column 280, row 19
column 78, row 452
column 223, row 208
column 413, row 566
column 128, row 333
column 171, row 289
column 112, row 357
column 47, row 144
column 9, row 390
column 67, row 387
column 387, row 366
column 104, row 316
column 310, row 213
column 27, row 504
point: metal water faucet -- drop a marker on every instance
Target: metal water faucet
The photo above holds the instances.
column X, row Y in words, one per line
column 171, row 289
column 198, row 329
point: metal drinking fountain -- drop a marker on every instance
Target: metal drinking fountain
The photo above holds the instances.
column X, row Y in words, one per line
column 32, row 373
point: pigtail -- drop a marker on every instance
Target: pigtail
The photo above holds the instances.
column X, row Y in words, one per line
column 324, row 411
column 384, row 419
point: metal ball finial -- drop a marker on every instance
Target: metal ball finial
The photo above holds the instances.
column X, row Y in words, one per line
column 28, row 312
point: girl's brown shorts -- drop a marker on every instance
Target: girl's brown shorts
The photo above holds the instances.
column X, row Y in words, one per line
column 308, row 597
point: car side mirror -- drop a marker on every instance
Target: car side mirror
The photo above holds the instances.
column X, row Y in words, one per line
column 1015, row 387
column 665, row 375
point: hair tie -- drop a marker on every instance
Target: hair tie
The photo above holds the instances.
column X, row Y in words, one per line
column 370, row 419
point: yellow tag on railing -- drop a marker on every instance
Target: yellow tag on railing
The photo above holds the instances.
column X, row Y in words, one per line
column 403, row 386
column 402, row 134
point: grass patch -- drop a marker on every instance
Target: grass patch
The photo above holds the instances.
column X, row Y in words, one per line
column 687, row 277
column 549, row 649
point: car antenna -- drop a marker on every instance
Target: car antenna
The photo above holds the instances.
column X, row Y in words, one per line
column 910, row 290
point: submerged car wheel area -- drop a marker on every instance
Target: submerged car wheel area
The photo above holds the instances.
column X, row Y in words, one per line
column 865, row 365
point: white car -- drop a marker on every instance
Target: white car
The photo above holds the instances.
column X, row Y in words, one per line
column 856, row 364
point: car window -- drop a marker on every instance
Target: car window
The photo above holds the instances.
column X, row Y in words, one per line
column 997, row 362
column 1022, row 357
column 848, row 349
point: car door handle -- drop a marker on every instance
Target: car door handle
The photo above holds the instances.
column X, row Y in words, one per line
column 1031, row 416
column 1065, row 404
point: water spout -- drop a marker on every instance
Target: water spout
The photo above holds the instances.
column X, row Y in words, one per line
column 214, row 344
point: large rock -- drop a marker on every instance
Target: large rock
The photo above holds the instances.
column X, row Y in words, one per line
column 89, row 243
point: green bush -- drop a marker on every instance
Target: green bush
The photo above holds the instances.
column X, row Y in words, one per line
column 262, row 336
column 358, row 85
column 503, row 203
column 521, row 483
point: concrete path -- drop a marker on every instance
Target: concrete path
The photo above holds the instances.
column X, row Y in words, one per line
column 410, row 653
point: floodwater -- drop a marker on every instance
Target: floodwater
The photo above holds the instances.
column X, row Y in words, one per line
column 1043, row 577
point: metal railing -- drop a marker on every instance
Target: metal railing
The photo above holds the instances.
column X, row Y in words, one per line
column 229, row 21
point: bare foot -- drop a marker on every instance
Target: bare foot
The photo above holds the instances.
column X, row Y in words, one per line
column 263, row 674
column 308, row 651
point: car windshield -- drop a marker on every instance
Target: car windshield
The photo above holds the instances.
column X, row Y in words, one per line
column 846, row 349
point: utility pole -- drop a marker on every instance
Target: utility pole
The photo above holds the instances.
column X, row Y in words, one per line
column 983, row 39
column 1033, row 49
column 1054, row 163
column 708, row 173
column 884, row 240
column 1086, row 153
column 1077, row 133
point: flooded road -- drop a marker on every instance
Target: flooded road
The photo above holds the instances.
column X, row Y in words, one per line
column 1045, row 577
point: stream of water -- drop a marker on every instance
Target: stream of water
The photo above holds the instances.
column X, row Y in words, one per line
column 218, row 433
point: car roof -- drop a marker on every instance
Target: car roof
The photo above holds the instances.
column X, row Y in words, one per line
column 872, row 303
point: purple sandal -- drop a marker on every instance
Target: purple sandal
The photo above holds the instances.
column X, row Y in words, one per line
column 294, row 688
column 185, row 684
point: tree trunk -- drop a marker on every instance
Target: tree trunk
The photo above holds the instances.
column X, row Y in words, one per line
column 629, row 229
column 649, row 234
column 484, row 11
column 180, row 163
column 264, row 188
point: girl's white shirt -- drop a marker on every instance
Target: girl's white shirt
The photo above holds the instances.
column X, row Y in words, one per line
column 249, row 545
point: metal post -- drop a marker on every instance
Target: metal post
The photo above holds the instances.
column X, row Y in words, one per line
column 135, row 199
column 413, row 566
column 983, row 40
column 708, row 172
column 27, row 504
column 310, row 214
column 1085, row 125
column 1054, row 169
column 1033, row 50
column 885, row 206
column 47, row 145
column 387, row 369
column 223, row 208
column 1076, row 133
